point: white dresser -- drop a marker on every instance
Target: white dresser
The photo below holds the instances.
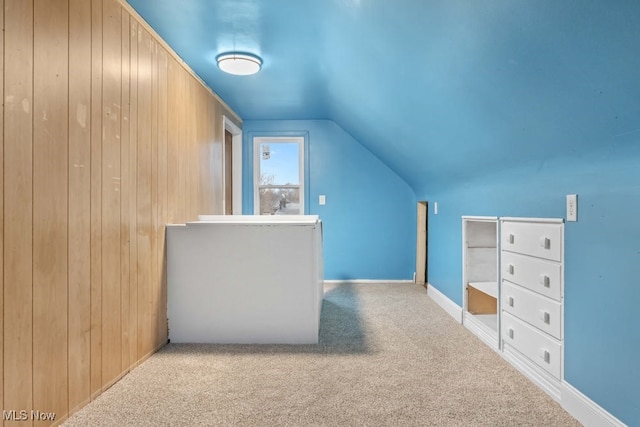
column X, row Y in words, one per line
column 531, row 296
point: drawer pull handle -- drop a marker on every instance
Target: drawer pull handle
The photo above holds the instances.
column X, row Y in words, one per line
column 545, row 280
column 511, row 238
column 510, row 333
column 510, row 301
column 510, row 269
column 545, row 317
column 546, row 356
column 545, row 242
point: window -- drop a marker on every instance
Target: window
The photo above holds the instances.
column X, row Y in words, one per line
column 278, row 175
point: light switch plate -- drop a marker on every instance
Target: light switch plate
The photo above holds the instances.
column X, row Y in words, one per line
column 435, row 208
column 322, row 199
column 572, row 207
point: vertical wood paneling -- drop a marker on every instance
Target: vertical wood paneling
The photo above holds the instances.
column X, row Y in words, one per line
column 161, row 309
column 18, row 205
column 194, row 150
column 106, row 138
column 182, row 135
column 208, row 146
column 180, row 159
column 2, row 210
column 205, row 150
column 125, row 195
column 96, row 197
column 203, row 146
column 50, row 205
column 173, row 189
column 185, row 147
column 184, row 132
column 154, row 285
column 111, row 260
column 193, row 184
column 79, row 203
column 145, row 343
column 133, row 194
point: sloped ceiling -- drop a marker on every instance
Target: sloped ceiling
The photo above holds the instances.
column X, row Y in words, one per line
column 440, row 90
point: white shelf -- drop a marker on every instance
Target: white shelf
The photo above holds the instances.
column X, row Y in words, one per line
column 490, row 320
column 489, row 288
column 480, row 277
column 484, row 326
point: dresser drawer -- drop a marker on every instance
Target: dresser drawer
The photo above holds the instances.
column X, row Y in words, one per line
column 543, row 240
column 535, row 274
column 541, row 349
column 537, row 310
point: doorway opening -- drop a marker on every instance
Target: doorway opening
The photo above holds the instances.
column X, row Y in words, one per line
column 228, row 173
column 422, row 244
column 232, row 168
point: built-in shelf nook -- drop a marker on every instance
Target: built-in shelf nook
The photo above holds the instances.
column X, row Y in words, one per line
column 480, row 277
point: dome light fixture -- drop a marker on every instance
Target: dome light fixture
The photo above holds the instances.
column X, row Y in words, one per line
column 240, row 64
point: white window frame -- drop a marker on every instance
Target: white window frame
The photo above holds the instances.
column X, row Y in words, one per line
column 272, row 140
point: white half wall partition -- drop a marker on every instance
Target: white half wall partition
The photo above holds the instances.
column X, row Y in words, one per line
column 245, row 279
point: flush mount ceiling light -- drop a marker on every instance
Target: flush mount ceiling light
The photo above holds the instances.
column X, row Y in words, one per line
column 240, row 64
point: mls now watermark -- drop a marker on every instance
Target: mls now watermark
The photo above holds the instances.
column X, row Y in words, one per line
column 24, row 415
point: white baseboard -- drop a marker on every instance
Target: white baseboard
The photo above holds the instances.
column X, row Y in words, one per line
column 490, row 338
column 585, row 410
column 366, row 281
column 443, row 301
column 589, row 413
column 537, row 375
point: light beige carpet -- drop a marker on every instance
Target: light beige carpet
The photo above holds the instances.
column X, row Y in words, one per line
column 388, row 356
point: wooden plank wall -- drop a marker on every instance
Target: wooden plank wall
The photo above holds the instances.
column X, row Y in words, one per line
column 18, row 205
column 2, row 211
column 106, row 137
column 79, row 203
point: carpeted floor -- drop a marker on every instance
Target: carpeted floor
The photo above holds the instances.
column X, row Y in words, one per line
column 388, row 356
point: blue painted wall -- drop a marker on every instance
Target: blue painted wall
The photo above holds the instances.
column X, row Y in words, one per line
column 370, row 214
column 602, row 258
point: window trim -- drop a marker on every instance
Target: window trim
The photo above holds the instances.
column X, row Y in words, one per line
column 257, row 140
